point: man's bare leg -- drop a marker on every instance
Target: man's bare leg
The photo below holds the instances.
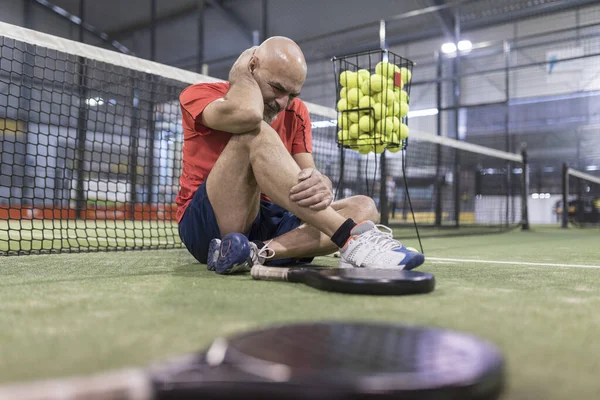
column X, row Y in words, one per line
column 259, row 160
column 307, row 241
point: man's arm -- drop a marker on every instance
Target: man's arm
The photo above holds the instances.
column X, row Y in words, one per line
column 241, row 110
column 314, row 190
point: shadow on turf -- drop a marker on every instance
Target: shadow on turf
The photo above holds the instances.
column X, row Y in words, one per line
column 195, row 270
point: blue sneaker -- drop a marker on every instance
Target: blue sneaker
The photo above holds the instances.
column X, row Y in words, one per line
column 235, row 254
column 373, row 246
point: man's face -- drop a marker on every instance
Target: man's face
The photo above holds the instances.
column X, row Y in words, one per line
column 278, row 89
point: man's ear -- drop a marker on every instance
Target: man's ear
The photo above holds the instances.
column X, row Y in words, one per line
column 253, row 63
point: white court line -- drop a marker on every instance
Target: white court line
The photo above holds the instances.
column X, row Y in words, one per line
column 456, row 260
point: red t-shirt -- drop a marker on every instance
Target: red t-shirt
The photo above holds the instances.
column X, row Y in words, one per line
column 203, row 145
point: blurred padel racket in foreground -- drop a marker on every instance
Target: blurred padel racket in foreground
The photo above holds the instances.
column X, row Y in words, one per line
column 331, row 361
column 351, row 280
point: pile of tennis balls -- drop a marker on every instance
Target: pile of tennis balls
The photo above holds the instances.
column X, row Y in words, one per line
column 371, row 108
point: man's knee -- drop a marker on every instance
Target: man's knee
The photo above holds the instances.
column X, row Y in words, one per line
column 367, row 208
column 242, row 140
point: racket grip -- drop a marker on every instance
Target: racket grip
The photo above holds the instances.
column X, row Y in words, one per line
column 260, row 272
column 123, row 385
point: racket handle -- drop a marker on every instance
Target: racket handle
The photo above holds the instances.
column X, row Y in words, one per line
column 260, row 272
column 123, row 385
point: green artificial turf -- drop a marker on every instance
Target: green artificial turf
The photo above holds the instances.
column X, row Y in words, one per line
column 69, row 314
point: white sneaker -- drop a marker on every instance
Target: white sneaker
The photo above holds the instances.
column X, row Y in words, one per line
column 370, row 247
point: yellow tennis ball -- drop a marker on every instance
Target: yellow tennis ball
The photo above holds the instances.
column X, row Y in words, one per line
column 343, row 121
column 342, row 105
column 396, row 122
column 364, row 144
column 405, row 74
column 403, row 96
column 393, row 109
column 366, row 87
column 343, row 93
column 364, row 74
column 378, row 83
column 343, row 135
column 366, row 102
column 390, row 137
column 365, row 148
column 387, row 97
column 354, row 96
column 380, row 110
column 350, row 143
column 385, row 126
column 398, row 110
column 404, row 109
column 366, row 123
column 354, row 131
column 344, row 77
column 349, row 79
column 403, row 131
column 385, row 68
column 354, row 116
column 394, row 144
column 379, row 147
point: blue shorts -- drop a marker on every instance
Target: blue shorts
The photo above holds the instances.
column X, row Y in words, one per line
column 199, row 226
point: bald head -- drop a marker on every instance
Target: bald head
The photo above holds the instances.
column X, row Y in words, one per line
column 279, row 68
column 283, row 56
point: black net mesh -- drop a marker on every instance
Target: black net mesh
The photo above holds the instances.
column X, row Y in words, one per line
column 91, row 153
column 91, row 158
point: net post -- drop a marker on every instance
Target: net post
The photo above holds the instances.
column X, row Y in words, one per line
column 382, row 158
column 456, row 189
column 340, row 185
column 525, row 191
column 339, row 194
column 456, row 86
column 579, row 209
column 383, row 190
column 133, row 146
column 509, row 192
column 438, row 147
column 565, row 194
column 82, row 116
column 149, row 153
column 28, row 167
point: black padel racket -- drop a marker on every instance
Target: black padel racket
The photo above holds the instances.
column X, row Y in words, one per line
column 351, row 280
column 305, row 361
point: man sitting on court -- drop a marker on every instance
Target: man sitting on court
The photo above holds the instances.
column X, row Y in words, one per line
column 249, row 176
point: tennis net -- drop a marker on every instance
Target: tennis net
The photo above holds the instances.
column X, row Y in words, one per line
column 91, row 144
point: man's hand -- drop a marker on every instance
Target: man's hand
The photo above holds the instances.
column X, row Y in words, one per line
column 241, row 68
column 312, row 190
